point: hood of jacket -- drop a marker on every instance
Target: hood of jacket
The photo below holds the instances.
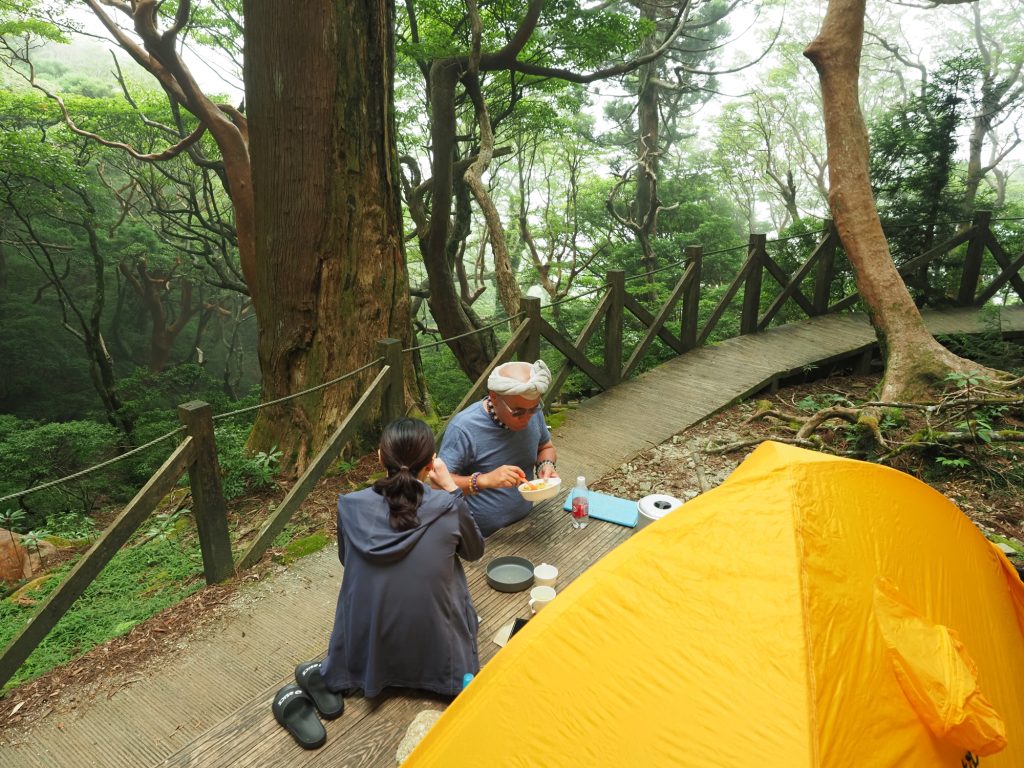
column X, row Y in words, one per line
column 364, row 517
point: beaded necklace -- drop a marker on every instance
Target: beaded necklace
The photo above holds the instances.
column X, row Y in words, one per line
column 489, row 408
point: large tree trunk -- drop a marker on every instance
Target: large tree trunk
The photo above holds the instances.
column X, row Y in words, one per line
column 330, row 271
column 914, row 360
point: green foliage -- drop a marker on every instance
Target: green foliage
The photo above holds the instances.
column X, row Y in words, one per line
column 918, row 192
column 137, row 583
column 241, row 472
column 36, row 453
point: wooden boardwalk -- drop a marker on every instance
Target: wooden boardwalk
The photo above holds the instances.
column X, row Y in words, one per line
column 211, row 706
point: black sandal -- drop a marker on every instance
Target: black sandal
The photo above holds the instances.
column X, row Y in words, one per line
column 294, row 710
column 329, row 704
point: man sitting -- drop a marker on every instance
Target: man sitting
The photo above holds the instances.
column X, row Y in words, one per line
column 494, row 445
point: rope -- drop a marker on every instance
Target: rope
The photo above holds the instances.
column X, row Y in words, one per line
column 463, row 335
column 298, row 394
column 90, row 470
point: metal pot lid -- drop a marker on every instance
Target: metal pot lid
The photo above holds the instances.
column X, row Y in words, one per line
column 657, row 505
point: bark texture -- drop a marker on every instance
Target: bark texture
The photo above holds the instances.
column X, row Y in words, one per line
column 330, row 274
column 914, row 360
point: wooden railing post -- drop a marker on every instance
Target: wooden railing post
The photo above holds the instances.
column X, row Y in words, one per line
column 690, row 314
column 972, row 260
column 613, row 326
column 826, row 270
column 208, row 503
column 752, row 286
column 530, row 306
column 393, row 402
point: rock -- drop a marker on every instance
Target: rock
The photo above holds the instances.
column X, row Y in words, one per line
column 14, row 560
column 414, row 734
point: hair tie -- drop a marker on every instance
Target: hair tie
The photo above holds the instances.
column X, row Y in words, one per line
column 403, row 467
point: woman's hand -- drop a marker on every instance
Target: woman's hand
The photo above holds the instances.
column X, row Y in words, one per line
column 440, row 477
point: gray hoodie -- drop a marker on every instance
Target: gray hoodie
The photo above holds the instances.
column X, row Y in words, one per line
column 404, row 615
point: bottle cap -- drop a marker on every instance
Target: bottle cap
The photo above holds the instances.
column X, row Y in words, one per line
column 580, row 480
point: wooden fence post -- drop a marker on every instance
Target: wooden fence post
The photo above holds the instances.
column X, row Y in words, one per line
column 690, row 314
column 752, row 286
column 613, row 326
column 393, row 402
column 972, row 260
column 208, row 503
column 530, row 306
column 826, row 269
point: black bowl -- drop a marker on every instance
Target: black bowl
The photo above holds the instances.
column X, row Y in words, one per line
column 510, row 574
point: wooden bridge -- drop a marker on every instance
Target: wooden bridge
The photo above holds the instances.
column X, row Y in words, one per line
column 209, row 705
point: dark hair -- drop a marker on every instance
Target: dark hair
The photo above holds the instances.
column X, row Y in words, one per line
column 406, row 447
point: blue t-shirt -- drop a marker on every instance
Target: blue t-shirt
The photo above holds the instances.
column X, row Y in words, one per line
column 474, row 443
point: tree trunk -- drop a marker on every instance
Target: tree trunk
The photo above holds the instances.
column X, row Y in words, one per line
column 330, row 271
column 471, row 351
column 914, row 360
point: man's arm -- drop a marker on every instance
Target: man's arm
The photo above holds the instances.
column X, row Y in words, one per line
column 547, row 457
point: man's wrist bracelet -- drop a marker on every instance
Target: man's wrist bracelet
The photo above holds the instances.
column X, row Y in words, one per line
column 541, row 463
column 474, row 482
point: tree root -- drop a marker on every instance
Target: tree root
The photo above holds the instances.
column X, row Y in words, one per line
column 815, row 444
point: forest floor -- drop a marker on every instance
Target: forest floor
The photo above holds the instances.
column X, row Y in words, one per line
column 986, row 486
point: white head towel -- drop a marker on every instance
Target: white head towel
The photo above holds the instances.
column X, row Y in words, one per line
column 533, row 389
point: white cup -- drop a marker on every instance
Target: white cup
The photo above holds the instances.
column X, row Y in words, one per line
column 545, row 575
column 540, row 596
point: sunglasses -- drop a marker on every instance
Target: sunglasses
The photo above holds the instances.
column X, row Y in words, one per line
column 518, row 413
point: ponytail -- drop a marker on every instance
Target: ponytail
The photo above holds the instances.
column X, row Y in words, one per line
column 406, row 447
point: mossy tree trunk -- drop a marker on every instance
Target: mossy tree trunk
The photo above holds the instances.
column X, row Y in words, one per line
column 331, row 275
column 914, row 360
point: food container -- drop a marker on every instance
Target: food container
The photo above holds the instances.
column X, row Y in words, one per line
column 654, row 507
column 541, row 489
column 510, row 573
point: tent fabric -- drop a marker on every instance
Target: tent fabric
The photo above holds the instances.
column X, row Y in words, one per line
column 810, row 611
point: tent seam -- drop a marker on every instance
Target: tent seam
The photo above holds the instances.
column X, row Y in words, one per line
column 812, row 683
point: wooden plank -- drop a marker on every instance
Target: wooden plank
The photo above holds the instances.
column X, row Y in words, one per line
column 972, row 260
column 656, row 324
column 789, row 289
column 752, row 286
column 369, row 731
column 919, row 261
column 613, row 327
column 277, row 521
column 393, row 400
column 1013, row 268
column 589, row 329
column 574, row 355
column 208, row 504
column 96, row 558
column 688, row 321
column 530, row 307
column 1004, row 261
column 726, row 299
column 825, row 254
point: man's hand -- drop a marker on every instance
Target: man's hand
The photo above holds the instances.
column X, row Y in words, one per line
column 546, row 469
column 506, row 476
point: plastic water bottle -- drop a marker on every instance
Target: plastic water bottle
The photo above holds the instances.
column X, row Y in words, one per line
column 580, row 503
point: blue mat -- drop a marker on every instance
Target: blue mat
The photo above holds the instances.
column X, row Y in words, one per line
column 612, row 509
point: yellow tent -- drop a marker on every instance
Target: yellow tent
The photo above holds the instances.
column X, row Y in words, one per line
column 811, row 611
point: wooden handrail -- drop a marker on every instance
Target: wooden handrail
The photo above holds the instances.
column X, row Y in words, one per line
column 95, row 559
column 342, row 435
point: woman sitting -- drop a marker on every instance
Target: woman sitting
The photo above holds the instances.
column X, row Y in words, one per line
column 404, row 615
